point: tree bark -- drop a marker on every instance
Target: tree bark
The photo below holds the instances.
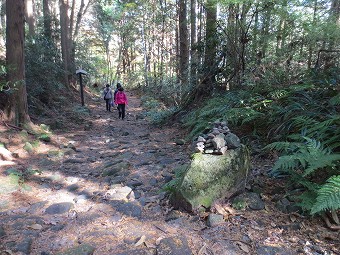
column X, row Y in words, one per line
column 16, row 110
column 193, row 44
column 30, row 17
column 47, row 20
column 183, row 43
column 65, row 47
column 210, row 47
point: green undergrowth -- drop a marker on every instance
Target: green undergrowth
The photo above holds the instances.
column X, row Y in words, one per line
column 173, row 185
column 19, row 177
column 156, row 111
column 301, row 123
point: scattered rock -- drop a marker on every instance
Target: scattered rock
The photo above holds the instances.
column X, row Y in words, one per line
column 180, row 141
column 119, row 193
column 214, row 220
column 73, row 187
column 286, row 206
column 74, row 161
column 35, row 207
column 83, row 249
column 173, row 246
column 173, row 215
column 24, row 246
column 225, row 247
column 250, row 200
column 59, row 208
column 232, row 141
column 132, row 209
column 116, row 169
column 272, row 250
column 147, row 251
column 2, row 231
column 81, row 198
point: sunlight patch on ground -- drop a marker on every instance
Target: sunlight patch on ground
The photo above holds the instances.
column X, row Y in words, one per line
column 6, row 163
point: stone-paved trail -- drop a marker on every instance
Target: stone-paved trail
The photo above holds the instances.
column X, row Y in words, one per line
column 100, row 191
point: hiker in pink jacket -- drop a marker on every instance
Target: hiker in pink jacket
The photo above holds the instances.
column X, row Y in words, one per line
column 121, row 101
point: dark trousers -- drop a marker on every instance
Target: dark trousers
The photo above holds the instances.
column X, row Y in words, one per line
column 108, row 104
column 121, row 110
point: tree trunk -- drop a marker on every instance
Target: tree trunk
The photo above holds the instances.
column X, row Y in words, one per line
column 193, row 44
column 210, row 68
column 265, row 29
column 145, row 55
column 183, row 43
column 311, row 43
column 65, row 49
column 16, row 110
column 47, row 20
column 71, row 43
column 30, row 17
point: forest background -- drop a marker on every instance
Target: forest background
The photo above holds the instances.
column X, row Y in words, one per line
column 269, row 68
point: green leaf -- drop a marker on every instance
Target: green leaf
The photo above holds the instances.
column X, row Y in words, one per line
column 328, row 196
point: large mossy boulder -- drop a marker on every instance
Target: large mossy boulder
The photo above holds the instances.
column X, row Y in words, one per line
column 211, row 177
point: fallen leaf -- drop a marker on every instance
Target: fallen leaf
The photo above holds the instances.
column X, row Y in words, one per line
column 36, row 227
column 159, row 239
column 292, row 218
column 257, row 227
column 8, row 252
column 141, row 240
column 243, row 247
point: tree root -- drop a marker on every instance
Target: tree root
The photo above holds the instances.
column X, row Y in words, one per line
column 328, row 223
column 15, row 127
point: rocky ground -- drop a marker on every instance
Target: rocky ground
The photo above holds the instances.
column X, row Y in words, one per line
column 97, row 190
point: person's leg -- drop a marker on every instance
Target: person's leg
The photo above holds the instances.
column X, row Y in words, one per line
column 123, row 111
column 119, row 111
column 107, row 104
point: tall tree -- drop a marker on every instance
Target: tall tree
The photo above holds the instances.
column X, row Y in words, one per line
column 30, row 16
column 47, row 20
column 16, row 110
column 183, row 43
column 193, row 43
column 210, row 65
column 64, row 37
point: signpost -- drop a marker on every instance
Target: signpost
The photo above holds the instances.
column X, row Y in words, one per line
column 81, row 72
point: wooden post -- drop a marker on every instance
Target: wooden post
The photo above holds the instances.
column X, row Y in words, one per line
column 80, row 73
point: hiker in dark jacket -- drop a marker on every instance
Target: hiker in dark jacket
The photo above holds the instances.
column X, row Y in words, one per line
column 108, row 96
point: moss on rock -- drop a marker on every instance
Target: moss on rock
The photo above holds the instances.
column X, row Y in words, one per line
column 210, row 177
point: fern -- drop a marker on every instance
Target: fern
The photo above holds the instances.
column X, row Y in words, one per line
column 309, row 156
column 328, row 196
column 303, row 121
column 335, row 100
column 307, row 200
column 172, row 185
column 282, row 146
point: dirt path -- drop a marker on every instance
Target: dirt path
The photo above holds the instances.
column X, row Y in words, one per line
column 84, row 195
column 99, row 192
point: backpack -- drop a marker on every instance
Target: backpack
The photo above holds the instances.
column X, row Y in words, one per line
column 107, row 91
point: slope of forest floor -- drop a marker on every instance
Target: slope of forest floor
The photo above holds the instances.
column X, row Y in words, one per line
column 81, row 199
